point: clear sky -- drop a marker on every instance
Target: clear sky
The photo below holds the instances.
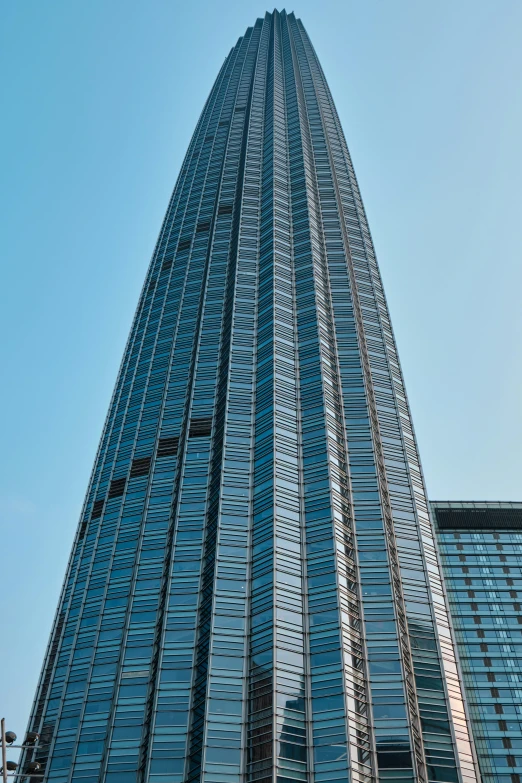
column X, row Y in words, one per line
column 99, row 100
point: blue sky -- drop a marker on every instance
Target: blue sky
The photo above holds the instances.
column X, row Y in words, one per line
column 99, row 103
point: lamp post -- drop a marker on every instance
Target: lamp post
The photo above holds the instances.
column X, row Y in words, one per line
column 10, row 768
column 4, row 752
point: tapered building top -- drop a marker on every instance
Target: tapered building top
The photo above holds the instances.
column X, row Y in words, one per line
column 254, row 593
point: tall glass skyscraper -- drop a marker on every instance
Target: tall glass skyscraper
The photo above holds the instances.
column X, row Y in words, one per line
column 254, row 593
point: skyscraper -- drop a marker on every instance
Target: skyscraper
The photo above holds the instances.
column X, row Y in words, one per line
column 254, row 592
column 480, row 545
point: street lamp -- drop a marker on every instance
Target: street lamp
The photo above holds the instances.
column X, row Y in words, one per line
column 10, row 768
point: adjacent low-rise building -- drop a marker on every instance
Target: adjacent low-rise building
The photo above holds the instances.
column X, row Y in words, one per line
column 480, row 545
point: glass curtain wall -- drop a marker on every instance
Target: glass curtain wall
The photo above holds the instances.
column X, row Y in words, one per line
column 481, row 550
column 254, row 593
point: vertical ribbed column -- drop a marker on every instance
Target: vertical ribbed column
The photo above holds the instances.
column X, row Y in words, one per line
column 277, row 705
column 225, row 729
column 290, row 706
column 217, row 656
column 261, row 635
column 340, row 731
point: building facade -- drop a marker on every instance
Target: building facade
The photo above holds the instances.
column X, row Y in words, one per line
column 254, row 592
column 480, row 546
